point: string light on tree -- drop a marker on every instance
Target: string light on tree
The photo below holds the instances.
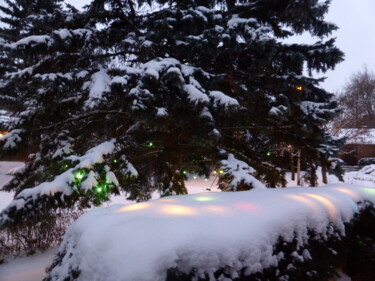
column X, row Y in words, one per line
column 299, row 88
column 79, row 175
column 150, row 144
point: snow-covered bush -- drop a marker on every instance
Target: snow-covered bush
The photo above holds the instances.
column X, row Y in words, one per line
column 35, row 236
column 274, row 234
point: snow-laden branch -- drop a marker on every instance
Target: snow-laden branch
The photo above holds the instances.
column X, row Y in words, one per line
column 81, row 178
column 237, row 172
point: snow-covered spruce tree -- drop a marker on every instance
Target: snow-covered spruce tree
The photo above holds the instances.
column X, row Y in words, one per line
column 128, row 97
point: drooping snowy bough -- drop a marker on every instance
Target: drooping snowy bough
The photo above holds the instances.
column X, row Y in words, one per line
column 278, row 234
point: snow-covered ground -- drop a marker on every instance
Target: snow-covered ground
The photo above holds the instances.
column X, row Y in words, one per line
column 33, row 268
column 27, row 268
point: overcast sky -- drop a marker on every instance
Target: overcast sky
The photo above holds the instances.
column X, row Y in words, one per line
column 356, row 38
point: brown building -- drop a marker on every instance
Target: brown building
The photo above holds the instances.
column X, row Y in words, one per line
column 360, row 143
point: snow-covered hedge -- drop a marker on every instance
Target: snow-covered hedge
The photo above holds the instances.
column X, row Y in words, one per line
column 215, row 236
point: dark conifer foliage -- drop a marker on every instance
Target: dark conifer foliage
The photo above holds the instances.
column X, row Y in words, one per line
column 131, row 95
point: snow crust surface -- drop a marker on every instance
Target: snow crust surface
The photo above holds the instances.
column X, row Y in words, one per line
column 204, row 231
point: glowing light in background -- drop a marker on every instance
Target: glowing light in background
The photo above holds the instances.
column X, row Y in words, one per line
column 3, row 134
column 299, row 88
column 246, row 206
column 133, row 207
column 179, row 210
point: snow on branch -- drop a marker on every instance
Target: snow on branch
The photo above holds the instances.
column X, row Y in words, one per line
column 11, row 139
column 83, row 177
column 236, row 173
column 100, row 84
column 31, row 40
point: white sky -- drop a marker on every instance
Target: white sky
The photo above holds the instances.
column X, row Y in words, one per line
column 356, row 38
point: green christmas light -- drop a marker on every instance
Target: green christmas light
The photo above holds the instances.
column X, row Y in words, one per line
column 99, row 189
column 184, row 172
column 115, row 161
column 195, row 177
column 79, row 175
column 206, row 179
column 150, row 144
column 268, row 154
column 221, row 172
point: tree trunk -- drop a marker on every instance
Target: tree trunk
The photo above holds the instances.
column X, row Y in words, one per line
column 292, row 168
column 299, row 167
column 324, row 174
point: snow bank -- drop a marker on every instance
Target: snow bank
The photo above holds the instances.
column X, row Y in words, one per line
column 365, row 176
column 205, row 231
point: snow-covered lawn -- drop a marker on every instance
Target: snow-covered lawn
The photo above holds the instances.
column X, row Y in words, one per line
column 27, row 268
column 33, row 268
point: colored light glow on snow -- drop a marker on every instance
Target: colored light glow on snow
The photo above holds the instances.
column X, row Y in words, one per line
column 328, row 204
column 369, row 190
column 353, row 194
column 216, row 209
column 299, row 88
column 204, row 198
column 178, row 210
column 206, row 179
column 246, row 206
column 303, row 200
column 195, row 177
column 133, row 207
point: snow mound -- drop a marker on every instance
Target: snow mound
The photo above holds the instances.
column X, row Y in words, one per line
column 365, row 176
column 204, row 231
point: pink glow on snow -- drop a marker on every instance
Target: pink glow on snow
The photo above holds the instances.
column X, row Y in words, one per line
column 246, row 206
